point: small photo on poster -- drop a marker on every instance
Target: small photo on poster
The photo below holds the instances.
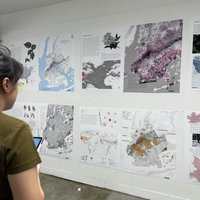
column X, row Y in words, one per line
column 196, row 140
column 196, row 43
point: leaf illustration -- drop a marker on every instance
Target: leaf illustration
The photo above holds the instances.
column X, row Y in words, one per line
column 33, row 46
column 32, row 55
column 27, row 60
column 117, row 37
column 29, row 52
column 27, row 44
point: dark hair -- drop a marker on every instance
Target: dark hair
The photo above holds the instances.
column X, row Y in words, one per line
column 9, row 67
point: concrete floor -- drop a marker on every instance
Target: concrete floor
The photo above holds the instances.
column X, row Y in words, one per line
column 61, row 189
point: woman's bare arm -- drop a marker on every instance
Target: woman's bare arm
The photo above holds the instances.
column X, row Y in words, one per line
column 26, row 185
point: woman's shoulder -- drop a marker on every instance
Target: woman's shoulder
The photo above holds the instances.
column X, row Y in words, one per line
column 10, row 120
column 12, row 129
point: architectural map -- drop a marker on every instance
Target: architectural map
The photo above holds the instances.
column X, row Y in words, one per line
column 56, row 68
column 58, row 132
column 153, row 57
column 148, row 142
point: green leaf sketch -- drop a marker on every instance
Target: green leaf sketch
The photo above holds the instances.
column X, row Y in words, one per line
column 27, row 44
column 30, row 53
column 27, row 60
column 33, row 46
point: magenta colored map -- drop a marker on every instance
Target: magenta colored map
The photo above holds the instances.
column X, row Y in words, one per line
column 196, row 173
column 153, row 57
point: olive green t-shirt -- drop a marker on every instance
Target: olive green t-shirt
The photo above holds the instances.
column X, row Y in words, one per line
column 17, row 151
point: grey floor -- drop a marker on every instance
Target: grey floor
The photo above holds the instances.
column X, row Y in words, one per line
column 61, row 189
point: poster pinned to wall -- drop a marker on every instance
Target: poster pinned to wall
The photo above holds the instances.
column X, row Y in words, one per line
column 56, row 63
column 138, row 141
column 28, row 112
column 195, row 78
column 26, row 51
column 153, row 57
column 102, row 60
column 99, row 136
column 54, row 123
column 148, row 142
column 193, row 131
column 58, row 131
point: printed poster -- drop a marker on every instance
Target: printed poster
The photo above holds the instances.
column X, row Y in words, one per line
column 102, row 60
column 193, row 132
column 26, row 51
column 99, row 136
column 56, row 63
column 153, row 57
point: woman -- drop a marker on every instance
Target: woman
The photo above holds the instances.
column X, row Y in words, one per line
column 19, row 173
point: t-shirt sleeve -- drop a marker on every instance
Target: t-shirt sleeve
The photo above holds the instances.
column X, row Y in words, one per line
column 21, row 153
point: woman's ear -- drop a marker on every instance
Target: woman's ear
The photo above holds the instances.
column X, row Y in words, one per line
column 6, row 85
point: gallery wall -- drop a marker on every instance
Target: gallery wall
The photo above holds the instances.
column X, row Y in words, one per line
column 93, row 17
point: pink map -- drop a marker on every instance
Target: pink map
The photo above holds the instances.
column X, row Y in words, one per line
column 196, row 172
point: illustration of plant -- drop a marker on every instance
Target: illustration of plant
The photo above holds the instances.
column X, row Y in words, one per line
column 111, row 41
column 30, row 51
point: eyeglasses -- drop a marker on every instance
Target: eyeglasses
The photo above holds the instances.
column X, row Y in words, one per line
column 20, row 86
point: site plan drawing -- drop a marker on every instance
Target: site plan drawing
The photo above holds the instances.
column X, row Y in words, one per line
column 56, row 67
column 148, row 142
column 58, row 131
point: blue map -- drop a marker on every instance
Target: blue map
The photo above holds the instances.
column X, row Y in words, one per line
column 55, row 69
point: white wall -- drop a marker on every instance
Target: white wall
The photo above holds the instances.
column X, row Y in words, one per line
column 89, row 15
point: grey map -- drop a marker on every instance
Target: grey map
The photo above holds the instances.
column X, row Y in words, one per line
column 101, row 77
column 58, row 130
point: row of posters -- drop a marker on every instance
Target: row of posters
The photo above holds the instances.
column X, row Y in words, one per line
column 137, row 141
column 141, row 58
column 147, row 58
